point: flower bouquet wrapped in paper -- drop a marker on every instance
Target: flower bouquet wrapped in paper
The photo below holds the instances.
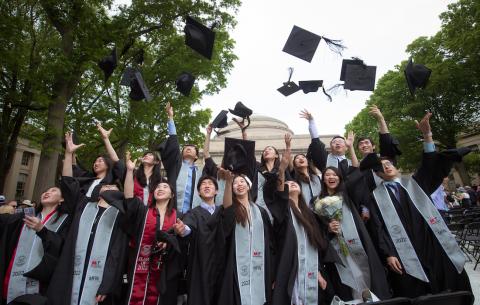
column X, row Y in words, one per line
column 330, row 207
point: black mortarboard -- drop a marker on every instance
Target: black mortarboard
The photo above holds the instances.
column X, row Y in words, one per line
column 310, row 85
column 199, row 37
column 360, row 77
column 239, row 157
column 185, row 83
column 417, row 76
column 288, row 88
column 345, row 62
column 127, row 76
column 220, row 120
column 138, row 89
column 241, row 110
column 108, row 64
column 302, row 43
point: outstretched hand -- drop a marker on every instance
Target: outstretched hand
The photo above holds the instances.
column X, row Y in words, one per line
column 350, row 139
column 209, row 129
column 128, row 161
column 240, row 124
column 375, row 112
column 285, row 161
column 71, row 147
column 225, row 173
column 169, row 110
column 304, row 114
column 424, row 124
column 105, row 134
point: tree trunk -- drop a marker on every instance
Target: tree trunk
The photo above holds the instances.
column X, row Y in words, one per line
column 462, row 172
column 51, row 145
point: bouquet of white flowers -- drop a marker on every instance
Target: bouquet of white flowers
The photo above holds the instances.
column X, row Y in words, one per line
column 330, row 207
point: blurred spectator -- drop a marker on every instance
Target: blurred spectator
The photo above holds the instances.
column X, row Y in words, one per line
column 12, row 203
column 473, row 195
column 463, row 197
column 439, row 197
column 2, row 199
column 6, row 209
column 26, row 204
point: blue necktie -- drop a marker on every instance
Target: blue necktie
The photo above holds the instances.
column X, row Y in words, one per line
column 393, row 186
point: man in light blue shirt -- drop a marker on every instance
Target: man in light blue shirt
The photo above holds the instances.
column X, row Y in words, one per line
column 180, row 167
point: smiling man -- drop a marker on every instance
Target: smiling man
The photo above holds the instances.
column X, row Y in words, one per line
column 419, row 250
column 199, row 229
column 180, row 167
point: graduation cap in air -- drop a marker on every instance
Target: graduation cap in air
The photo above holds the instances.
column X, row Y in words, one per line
column 185, row 83
column 239, row 157
column 138, row 89
column 289, row 87
column 310, row 85
column 417, row 76
column 199, row 37
column 242, row 111
column 220, row 121
column 108, row 64
column 358, row 76
column 303, row 44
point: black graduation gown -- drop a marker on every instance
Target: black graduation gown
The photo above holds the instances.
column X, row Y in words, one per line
column 51, row 241
column 229, row 291
column 203, row 270
column 318, row 154
column 85, row 178
column 436, row 264
column 378, row 276
column 287, row 254
column 60, row 290
column 134, row 224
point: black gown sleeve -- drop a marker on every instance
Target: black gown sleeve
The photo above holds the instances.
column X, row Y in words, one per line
column 172, row 158
column 134, row 214
column 318, row 154
column 71, row 193
column 228, row 220
column 430, row 174
column 210, row 168
column 389, row 146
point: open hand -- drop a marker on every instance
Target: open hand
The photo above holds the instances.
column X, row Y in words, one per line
column 304, row 114
column 375, row 112
column 350, row 139
column 394, row 264
column 424, row 124
column 70, row 147
column 128, row 161
column 105, row 134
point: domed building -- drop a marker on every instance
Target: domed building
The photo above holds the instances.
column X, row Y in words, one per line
column 265, row 131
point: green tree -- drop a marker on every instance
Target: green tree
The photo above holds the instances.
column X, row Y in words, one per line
column 49, row 64
column 451, row 95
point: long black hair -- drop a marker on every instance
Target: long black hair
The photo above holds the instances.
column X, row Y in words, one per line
column 263, row 162
column 310, row 169
column 306, row 217
column 340, row 187
column 241, row 213
column 107, row 161
column 171, row 201
column 156, row 176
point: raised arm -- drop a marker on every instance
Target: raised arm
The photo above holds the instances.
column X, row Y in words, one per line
column 284, row 162
column 105, row 134
column 316, row 151
column 241, row 124
column 70, row 149
column 377, row 114
column 171, row 155
column 227, row 194
column 206, row 143
column 128, row 184
column 349, row 142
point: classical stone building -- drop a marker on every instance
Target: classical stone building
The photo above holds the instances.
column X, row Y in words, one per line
column 265, row 131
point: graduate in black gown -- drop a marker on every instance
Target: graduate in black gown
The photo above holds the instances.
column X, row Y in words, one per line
column 414, row 222
column 359, row 267
column 31, row 245
column 90, row 266
column 154, row 264
column 301, row 244
column 199, row 228
column 246, row 274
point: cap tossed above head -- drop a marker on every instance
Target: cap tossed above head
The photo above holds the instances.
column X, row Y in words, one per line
column 138, row 89
column 303, row 44
column 199, row 37
column 417, row 76
column 289, row 87
column 241, row 110
column 108, row 64
column 360, row 77
column 310, row 85
column 220, row 120
column 346, row 62
column 185, row 83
